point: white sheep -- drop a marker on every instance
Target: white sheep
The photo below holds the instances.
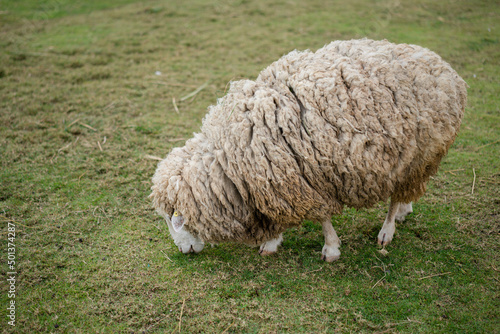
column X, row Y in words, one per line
column 351, row 124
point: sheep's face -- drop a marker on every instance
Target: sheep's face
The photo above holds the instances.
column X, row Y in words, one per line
column 186, row 242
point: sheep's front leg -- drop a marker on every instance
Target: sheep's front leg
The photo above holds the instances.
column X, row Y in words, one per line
column 387, row 232
column 330, row 250
column 271, row 246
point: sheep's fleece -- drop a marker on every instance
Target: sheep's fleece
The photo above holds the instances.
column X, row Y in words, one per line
column 351, row 124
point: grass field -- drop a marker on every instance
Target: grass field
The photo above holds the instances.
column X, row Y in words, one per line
column 86, row 91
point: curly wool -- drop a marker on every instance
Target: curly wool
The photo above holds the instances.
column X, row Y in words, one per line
column 351, row 124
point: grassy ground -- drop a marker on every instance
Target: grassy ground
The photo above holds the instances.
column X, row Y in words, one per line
column 86, row 92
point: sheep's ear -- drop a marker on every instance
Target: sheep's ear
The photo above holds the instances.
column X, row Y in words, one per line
column 177, row 221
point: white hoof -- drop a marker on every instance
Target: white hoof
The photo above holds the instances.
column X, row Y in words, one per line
column 403, row 211
column 330, row 253
column 271, row 246
column 385, row 235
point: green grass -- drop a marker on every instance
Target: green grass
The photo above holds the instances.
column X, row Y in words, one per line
column 93, row 257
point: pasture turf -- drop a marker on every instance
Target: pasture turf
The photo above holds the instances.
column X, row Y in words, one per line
column 86, row 108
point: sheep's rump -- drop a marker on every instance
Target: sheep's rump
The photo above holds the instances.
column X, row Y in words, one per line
column 350, row 124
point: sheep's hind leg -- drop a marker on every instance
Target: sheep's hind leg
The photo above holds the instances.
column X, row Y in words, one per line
column 387, row 232
column 271, row 246
column 330, row 250
column 403, row 211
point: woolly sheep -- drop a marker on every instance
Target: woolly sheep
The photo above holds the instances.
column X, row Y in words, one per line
column 352, row 124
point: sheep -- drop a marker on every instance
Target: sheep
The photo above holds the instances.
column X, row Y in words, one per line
column 355, row 123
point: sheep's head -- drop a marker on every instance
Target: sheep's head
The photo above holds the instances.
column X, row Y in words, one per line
column 172, row 196
column 187, row 242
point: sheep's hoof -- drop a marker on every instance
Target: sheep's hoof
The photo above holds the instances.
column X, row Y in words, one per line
column 330, row 254
column 264, row 252
column 384, row 238
column 400, row 217
column 403, row 211
column 330, row 258
column 271, row 246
